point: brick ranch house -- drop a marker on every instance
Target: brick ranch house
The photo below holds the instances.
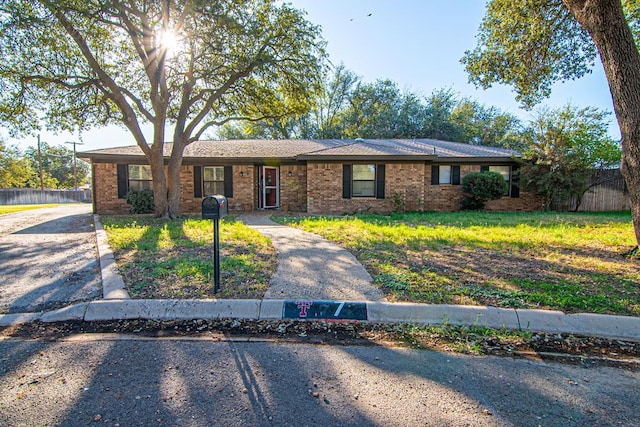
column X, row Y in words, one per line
column 314, row 176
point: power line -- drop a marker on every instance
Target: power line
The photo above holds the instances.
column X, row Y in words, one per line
column 75, row 173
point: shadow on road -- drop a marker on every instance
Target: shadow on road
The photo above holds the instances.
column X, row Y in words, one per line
column 69, row 224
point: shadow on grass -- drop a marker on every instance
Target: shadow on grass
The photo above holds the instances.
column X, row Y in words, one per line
column 174, row 258
column 500, row 267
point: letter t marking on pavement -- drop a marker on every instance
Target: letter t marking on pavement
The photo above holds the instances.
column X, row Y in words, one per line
column 304, row 306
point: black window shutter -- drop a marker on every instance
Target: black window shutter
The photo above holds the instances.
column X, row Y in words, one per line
column 123, row 181
column 379, row 181
column 346, row 181
column 228, row 181
column 484, row 168
column 455, row 175
column 515, row 181
column 197, row 181
column 435, row 175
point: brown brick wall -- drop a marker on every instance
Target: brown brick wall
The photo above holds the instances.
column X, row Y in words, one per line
column 106, row 191
column 403, row 187
column 445, row 198
column 293, row 188
column 243, row 190
column 188, row 203
column 107, row 202
column 317, row 188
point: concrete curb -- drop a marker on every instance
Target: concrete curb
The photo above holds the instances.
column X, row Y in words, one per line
column 18, row 318
column 597, row 325
column 117, row 305
column 172, row 309
column 113, row 286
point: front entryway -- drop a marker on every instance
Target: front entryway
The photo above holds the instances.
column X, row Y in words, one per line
column 269, row 187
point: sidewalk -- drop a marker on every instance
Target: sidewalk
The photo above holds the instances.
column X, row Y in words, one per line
column 310, row 267
column 317, row 280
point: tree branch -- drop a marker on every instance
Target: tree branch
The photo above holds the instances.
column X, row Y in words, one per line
column 211, row 123
column 128, row 115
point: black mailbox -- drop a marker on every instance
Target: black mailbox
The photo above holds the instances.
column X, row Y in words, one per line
column 214, row 207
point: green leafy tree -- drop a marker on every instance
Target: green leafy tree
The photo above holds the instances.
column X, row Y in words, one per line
column 478, row 124
column 480, row 187
column 182, row 65
column 323, row 121
column 57, row 163
column 381, row 110
column 437, row 122
column 565, row 145
column 15, row 171
column 531, row 44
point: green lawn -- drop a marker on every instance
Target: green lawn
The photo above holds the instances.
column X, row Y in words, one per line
column 569, row 261
column 5, row 209
column 161, row 258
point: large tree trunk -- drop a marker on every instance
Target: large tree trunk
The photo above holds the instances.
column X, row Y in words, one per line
column 173, row 186
column 156, row 161
column 605, row 22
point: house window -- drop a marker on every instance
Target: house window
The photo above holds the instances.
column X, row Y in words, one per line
column 213, row 180
column 139, row 177
column 505, row 171
column 364, row 181
column 445, row 174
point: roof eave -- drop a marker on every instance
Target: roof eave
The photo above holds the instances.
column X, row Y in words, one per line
column 368, row 157
column 478, row 159
column 140, row 158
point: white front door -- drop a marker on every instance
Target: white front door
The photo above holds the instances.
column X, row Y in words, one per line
column 269, row 186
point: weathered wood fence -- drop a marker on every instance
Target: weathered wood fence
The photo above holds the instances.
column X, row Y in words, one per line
column 31, row 196
column 609, row 193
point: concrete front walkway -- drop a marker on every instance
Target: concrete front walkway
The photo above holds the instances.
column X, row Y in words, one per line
column 311, row 267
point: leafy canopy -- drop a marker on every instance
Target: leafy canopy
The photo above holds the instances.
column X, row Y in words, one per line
column 79, row 64
column 532, row 44
column 565, row 145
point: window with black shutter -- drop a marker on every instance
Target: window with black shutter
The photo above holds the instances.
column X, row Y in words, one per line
column 363, row 181
column 445, row 174
column 212, row 180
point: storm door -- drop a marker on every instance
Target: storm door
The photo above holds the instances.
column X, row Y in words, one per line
column 269, row 188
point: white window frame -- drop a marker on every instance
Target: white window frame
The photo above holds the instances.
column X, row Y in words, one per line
column 215, row 182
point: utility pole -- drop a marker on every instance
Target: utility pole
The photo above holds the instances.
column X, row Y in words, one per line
column 40, row 164
column 75, row 174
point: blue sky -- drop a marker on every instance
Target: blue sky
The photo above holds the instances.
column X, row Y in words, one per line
column 416, row 43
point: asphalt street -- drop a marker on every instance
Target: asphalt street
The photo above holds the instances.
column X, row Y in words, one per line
column 48, row 259
column 112, row 380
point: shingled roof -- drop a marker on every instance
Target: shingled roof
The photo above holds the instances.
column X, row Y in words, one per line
column 251, row 150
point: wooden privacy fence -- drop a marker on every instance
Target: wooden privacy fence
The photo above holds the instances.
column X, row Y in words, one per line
column 31, row 196
column 609, row 193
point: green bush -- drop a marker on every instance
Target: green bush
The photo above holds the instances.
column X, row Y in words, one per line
column 480, row 187
column 141, row 201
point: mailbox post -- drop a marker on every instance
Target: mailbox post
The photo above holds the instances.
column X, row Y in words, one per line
column 215, row 208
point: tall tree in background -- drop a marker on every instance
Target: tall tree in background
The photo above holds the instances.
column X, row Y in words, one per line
column 564, row 147
column 478, row 124
column 57, row 162
column 322, row 121
column 530, row 44
column 381, row 110
column 14, row 169
column 186, row 65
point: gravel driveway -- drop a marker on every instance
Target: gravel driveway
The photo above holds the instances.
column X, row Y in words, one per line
column 48, row 259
